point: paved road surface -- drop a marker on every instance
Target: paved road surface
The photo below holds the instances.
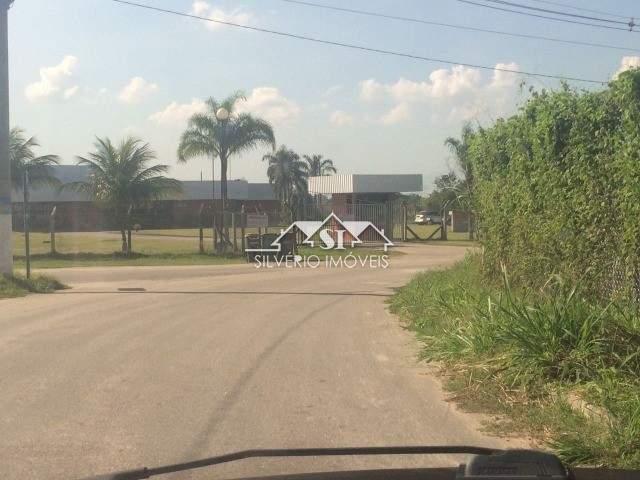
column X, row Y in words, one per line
column 214, row 359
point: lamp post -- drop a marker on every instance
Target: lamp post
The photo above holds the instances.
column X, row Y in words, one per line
column 6, row 251
column 222, row 115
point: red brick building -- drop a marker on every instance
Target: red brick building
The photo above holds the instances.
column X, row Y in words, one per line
column 77, row 212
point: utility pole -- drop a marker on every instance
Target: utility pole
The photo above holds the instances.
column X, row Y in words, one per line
column 27, row 214
column 6, row 247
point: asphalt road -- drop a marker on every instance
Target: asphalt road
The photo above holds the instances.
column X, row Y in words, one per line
column 208, row 360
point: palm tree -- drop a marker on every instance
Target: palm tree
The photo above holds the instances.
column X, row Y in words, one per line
column 208, row 135
column 120, row 179
column 464, row 186
column 317, row 166
column 24, row 160
column 288, row 175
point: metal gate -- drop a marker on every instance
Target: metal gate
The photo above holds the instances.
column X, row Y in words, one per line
column 387, row 217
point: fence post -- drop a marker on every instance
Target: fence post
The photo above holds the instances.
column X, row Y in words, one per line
column 443, row 228
column 52, row 230
column 129, row 247
column 235, row 238
column 201, row 227
column 26, row 212
column 243, row 220
column 404, row 221
column 215, row 234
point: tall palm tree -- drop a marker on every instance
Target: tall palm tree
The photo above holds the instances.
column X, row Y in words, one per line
column 206, row 135
column 23, row 160
column 288, row 175
column 464, row 187
column 120, row 178
column 318, row 166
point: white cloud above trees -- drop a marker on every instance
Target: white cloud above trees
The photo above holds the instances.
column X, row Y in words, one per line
column 627, row 63
column 264, row 102
column 459, row 91
column 178, row 113
column 270, row 104
column 340, row 118
column 55, row 81
column 136, row 90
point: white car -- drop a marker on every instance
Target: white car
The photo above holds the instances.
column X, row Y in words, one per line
column 427, row 218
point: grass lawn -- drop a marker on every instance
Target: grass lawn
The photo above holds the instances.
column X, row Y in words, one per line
column 554, row 364
column 103, row 249
column 151, row 248
column 18, row 286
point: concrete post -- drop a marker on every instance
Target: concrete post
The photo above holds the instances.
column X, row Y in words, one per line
column 201, row 228
column 233, row 225
column 52, row 230
column 6, row 243
column 26, row 214
column 404, row 221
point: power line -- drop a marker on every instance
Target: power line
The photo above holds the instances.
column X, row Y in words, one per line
column 358, row 47
column 558, row 12
column 565, row 20
column 459, row 27
column 582, row 9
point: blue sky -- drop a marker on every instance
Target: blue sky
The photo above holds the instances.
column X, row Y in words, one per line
column 81, row 68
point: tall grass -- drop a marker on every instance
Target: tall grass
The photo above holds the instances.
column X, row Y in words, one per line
column 17, row 285
column 541, row 345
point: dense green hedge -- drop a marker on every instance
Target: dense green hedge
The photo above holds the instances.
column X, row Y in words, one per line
column 557, row 186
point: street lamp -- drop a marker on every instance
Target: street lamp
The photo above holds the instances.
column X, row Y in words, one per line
column 222, row 114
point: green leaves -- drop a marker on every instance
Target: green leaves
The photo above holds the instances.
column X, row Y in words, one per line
column 120, row 176
column 557, row 186
column 23, row 157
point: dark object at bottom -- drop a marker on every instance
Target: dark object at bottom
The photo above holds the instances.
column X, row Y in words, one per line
column 521, row 464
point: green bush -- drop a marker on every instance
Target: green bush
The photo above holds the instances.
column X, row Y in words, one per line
column 557, row 187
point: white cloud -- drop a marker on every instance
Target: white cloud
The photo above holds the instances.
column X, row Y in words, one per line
column 53, row 80
column 501, row 78
column 136, row 90
column 178, row 113
column 204, row 9
column 371, row 90
column 265, row 102
column 269, row 103
column 340, row 118
column 452, row 93
column 627, row 63
column 441, row 83
column 70, row 92
column 331, row 91
column 397, row 114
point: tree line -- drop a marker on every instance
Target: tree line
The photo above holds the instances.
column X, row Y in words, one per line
column 123, row 175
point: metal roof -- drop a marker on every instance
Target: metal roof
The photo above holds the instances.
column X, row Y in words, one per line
column 192, row 189
column 355, row 183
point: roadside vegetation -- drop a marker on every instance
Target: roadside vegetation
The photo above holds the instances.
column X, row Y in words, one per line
column 544, row 324
column 18, row 286
column 564, row 369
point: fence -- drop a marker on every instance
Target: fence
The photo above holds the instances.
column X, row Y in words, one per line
column 387, row 217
